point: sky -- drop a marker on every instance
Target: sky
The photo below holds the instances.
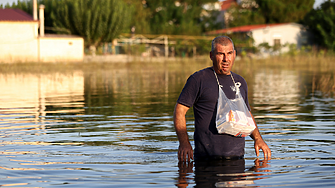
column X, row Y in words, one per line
column 316, row 4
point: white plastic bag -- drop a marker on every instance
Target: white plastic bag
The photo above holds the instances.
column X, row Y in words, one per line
column 233, row 116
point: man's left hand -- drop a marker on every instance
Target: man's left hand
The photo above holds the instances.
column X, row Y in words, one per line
column 261, row 145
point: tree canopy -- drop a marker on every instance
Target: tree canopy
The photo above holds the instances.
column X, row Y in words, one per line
column 96, row 21
column 245, row 13
column 283, row 11
column 252, row 12
column 102, row 20
column 99, row 21
column 183, row 17
column 321, row 22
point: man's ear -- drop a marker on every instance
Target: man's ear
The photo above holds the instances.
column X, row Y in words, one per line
column 211, row 55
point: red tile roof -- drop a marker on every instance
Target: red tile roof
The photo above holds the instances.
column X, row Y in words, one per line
column 245, row 28
column 14, row 15
column 227, row 3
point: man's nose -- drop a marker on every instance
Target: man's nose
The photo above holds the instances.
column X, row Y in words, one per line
column 224, row 58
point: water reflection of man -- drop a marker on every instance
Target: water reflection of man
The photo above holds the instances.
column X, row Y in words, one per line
column 220, row 173
column 201, row 92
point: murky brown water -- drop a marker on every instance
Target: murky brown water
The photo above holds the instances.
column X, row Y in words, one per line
column 111, row 126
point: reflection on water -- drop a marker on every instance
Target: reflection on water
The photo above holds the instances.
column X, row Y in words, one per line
column 276, row 90
column 32, row 96
column 221, row 173
column 112, row 126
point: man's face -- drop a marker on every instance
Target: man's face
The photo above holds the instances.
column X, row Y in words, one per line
column 223, row 58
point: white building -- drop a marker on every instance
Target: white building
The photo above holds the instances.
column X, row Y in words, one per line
column 273, row 34
column 20, row 40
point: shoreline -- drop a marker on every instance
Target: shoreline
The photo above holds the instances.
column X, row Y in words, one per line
column 303, row 59
column 123, row 58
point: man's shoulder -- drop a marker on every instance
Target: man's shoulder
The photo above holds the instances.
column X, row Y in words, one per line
column 203, row 72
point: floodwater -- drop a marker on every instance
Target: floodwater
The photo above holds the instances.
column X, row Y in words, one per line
column 112, row 126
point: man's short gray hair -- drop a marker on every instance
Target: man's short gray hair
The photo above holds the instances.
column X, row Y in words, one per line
column 223, row 40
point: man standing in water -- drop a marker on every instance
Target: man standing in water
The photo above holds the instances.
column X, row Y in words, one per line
column 201, row 91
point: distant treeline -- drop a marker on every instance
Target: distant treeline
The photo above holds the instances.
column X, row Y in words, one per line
column 101, row 21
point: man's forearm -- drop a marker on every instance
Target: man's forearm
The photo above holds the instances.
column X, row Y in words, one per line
column 259, row 143
column 180, row 127
column 255, row 135
column 185, row 151
column 180, row 123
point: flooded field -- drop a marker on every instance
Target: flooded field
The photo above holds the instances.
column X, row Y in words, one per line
column 110, row 125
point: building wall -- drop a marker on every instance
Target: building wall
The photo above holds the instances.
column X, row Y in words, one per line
column 57, row 48
column 289, row 33
column 18, row 41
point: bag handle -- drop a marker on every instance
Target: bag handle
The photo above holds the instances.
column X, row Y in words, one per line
column 237, row 86
column 217, row 78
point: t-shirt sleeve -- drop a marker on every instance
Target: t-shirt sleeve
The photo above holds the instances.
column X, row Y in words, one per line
column 189, row 93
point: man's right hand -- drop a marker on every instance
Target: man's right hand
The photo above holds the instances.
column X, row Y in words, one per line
column 185, row 152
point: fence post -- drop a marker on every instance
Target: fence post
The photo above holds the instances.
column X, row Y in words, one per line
column 166, row 42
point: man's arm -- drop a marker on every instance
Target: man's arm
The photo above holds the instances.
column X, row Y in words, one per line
column 185, row 150
column 259, row 142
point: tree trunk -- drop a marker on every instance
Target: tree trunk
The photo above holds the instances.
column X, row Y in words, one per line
column 93, row 50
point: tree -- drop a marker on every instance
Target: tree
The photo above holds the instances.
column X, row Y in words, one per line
column 321, row 23
column 140, row 16
column 245, row 13
column 183, row 17
column 283, row 11
column 96, row 21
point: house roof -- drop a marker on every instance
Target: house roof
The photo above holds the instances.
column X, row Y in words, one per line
column 245, row 28
column 15, row 15
column 227, row 3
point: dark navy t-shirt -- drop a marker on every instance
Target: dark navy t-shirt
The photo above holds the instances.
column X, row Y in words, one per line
column 202, row 91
